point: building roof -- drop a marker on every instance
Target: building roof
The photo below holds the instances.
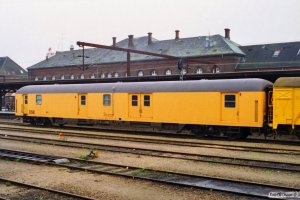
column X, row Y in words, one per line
column 184, row 47
column 226, row 85
column 9, row 67
column 287, row 82
column 277, row 55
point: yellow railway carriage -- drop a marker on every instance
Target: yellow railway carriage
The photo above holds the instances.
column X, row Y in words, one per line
column 286, row 103
column 200, row 106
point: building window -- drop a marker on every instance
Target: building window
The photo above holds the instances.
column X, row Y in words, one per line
column 93, row 76
column 44, row 78
column 229, row 101
column 276, row 53
column 25, row 99
column 103, row 75
column 199, row 70
column 134, row 100
column 109, row 75
column 82, row 100
column 116, row 74
column 62, row 77
column 168, row 72
column 140, row 73
column 183, row 71
column 72, row 76
column 53, row 77
column 38, row 99
column 106, row 100
column 82, row 76
column 36, row 78
column 298, row 53
column 216, row 70
column 147, row 100
column 125, row 74
column 153, row 73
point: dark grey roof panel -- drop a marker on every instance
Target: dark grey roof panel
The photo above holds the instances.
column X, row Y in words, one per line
column 287, row 82
column 184, row 47
column 233, row 85
column 262, row 56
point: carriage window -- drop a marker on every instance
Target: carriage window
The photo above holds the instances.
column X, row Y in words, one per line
column 106, row 100
column 229, row 101
column 82, row 100
column 134, row 100
column 26, row 99
column 38, row 99
column 147, row 100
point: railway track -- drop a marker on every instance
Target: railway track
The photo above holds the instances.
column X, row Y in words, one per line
column 295, row 141
column 249, row 189
column 288, row 167
column 58, row 193
column 160, row 141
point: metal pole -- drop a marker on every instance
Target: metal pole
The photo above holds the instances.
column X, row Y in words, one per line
column 82, row 58
column 128, row 63
column 1, row 95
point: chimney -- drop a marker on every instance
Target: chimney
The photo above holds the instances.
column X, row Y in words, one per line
column 149, row 38
column 130, row 41
column 177, row 35
column 114, row 41
column 227, row 33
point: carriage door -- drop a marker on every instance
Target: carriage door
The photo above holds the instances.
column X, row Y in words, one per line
column 140, row 106
column 134, row 106
column 25, row 104
column 230, row 111
column 146, row 106
column 82, row 105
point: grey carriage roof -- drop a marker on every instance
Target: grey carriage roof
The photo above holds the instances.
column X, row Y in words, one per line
column 287, row 82
column 233, row 85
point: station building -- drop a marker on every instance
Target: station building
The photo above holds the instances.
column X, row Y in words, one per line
column 10, row 71
column 210, row 54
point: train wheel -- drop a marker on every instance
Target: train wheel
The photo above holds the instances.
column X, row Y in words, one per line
column 297, row 132
column 198, row 131
column 242, row 133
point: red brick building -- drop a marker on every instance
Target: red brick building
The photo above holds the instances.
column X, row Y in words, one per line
column 209, row 54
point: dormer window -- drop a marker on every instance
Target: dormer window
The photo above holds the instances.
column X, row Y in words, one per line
column 276, row 53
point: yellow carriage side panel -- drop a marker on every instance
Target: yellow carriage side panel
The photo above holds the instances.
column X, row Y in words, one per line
column 286, row 106
column 208, row 108
column 56, row 105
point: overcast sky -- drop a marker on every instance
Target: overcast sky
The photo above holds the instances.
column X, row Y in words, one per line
column 30, row 27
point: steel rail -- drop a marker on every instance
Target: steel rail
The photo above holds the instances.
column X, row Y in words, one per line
column 62, row 193
column 288, row 167
column 205, row 182
column 161, row 134
column 164, row 141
